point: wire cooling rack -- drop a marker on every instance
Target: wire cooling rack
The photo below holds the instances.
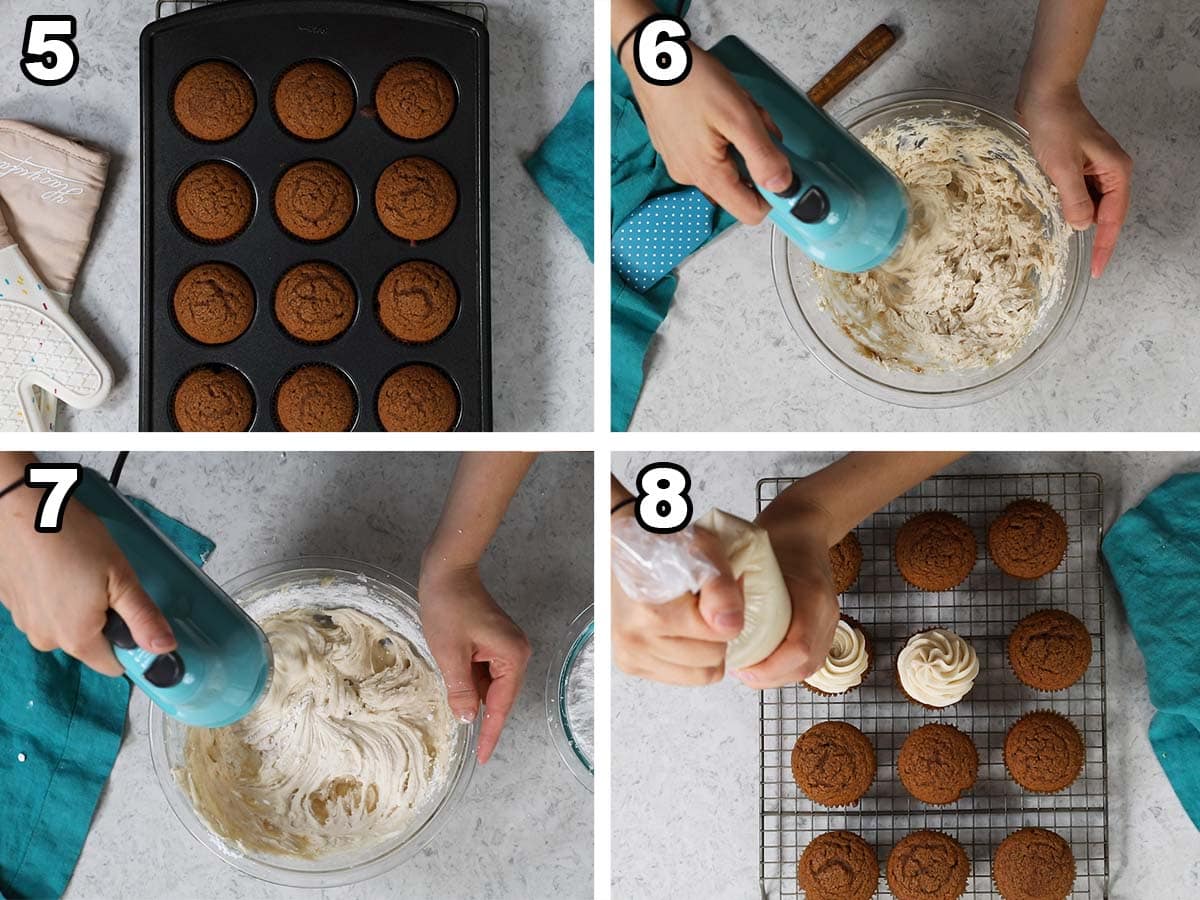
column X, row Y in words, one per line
column 983, row 610
column 170, row 7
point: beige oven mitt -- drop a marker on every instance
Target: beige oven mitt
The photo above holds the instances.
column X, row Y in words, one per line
column 50, row 190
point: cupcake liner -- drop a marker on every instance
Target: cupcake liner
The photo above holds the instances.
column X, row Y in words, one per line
column 900, row 685
column 1058, row 715
column 870, row 644
column 945, row 834
column 974, row 749
column 958, row 583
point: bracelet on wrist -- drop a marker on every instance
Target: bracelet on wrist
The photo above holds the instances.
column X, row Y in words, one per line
column 623, row 503
column 19, row 483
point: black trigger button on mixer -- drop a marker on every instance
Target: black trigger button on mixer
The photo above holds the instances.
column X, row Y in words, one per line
column 813, row 207
column 166, row 670
column 792, row 189
column 117, row 631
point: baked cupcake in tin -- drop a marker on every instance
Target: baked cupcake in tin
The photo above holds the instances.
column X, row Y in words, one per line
column 213, row 303
column 315, row 397
column 314, row 200
column 213, row 398
column 1049, row 650
column 416, row 198
column 415, row 99
column 313, row 100
column 213, row 101
column 936, row 668
column 1028, row 539
column 838, row 865
column 1034, row 864
column 417, row 398
column 214, row 202
column 935, row 551
column 834, row 764
column 315, row 302
column 417, row 302
column 1044, row 752
column 847, row 663
column 937, row 764
column 928, row 865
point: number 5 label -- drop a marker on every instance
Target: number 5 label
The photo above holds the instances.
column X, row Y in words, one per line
column 49, row 55
column 661, row 52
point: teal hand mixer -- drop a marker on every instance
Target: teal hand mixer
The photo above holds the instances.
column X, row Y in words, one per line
column 844, row 208
column 222, row 665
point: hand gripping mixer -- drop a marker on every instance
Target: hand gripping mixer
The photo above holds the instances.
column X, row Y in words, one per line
column 844, row 208
column 222, row 665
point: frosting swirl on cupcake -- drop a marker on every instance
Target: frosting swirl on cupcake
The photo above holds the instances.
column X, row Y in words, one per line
column 937, row 667
column 846, row 663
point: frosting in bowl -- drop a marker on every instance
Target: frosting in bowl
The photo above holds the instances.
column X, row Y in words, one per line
column 937, row 667
column 846, row 663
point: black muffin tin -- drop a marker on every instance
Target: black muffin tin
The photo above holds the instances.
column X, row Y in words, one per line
column 364, row 38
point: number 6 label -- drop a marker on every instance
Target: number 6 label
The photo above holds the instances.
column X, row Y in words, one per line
column 661, row 52
column 49, row 55
column 663, row 505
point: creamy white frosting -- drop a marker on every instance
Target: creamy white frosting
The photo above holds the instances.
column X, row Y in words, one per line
column 982, row 260
column 937, row 667
column 350, row 741
column 768, row 611
column 846, row 663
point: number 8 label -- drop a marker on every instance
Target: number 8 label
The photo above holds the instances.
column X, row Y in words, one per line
column 663, row 505
column 661, row 52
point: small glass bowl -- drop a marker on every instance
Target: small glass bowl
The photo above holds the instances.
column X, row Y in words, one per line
column 579, row 635
column 392, row 601
column 801, row 296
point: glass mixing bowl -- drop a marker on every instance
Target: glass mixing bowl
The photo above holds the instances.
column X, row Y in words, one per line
column 391, row 600
column 574, row 752
column 800, row 294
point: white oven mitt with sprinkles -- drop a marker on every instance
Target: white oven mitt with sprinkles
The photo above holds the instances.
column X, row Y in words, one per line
column 50, row 190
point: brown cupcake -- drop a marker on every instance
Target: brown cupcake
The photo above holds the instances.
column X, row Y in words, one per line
column 314, row 302
column 1043, row 752
column 838, row 865
column 415, row 99
column 928, row 865
column 214, row 303
column 314, row 200
column 417, row 302
column 1028, row 540
column 213, row 101
column 938, row 764
column 213, row 398
column 1034, row 864
column 417, row 398
column 416, row 198
column 314, row 100
column 214, row 202
column 834, row 763
column 845, row 558
column 935, row 551
column 1049, row 650
column 315, row 398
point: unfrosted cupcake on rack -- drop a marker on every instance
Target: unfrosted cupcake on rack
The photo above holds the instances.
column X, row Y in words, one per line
column 936, row 668
column 935, row 551
column 848, row 662
column 845, row 561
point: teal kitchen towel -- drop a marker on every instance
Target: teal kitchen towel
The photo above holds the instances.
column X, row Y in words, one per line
column 60, row 730
column 562, row 168
column 1153, row 552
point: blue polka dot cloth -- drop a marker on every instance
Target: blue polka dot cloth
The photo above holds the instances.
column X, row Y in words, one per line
column 660, row 234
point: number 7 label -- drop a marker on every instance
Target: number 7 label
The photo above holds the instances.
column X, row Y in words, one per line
column 61, row 479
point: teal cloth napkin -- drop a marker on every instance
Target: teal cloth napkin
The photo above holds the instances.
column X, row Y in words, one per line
column 60, row 730
column 1153, row 552
column 562, row 168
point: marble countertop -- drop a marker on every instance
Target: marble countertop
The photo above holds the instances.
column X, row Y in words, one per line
column 541, row 279
column 524, row 828
column 726, row 359
column 703, row 744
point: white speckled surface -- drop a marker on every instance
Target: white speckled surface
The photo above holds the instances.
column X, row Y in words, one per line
column 524, row 828
column 726, row 359
column 703, row 743
column 541, row 278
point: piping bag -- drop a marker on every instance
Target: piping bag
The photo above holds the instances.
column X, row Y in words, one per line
column 50, row 189
column 657, row 568
column 222, row 666
column 844, row 208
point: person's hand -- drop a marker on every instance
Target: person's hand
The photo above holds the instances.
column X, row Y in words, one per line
column 692, row 125
column 801, row 545
column 480, row 650
column 59, row 587
column 1086, row 164
column 681, row 642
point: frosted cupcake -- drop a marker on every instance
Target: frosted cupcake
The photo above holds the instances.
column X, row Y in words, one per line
column 848, row 661
column 936, row 668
